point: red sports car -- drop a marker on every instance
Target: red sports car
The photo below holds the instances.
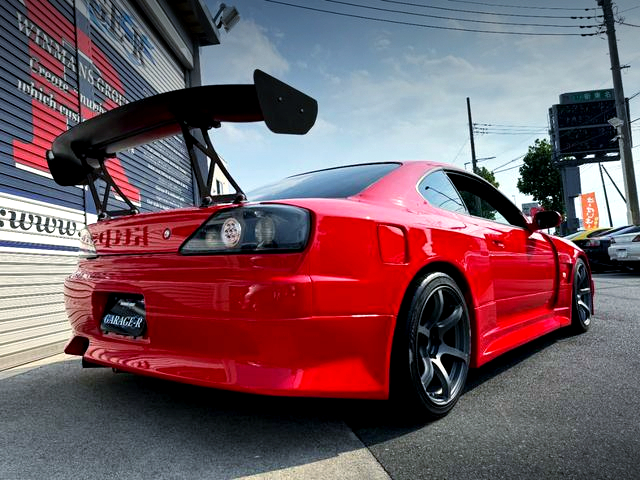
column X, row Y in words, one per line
column 361, row 281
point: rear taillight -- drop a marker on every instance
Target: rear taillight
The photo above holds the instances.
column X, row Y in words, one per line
column 592, row 242
column 87, row 248
column 636, row 238
column 259, row 228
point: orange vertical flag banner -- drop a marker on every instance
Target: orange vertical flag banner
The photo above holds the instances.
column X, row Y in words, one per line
column 590, row 215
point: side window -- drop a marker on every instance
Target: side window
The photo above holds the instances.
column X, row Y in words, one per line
column 485, row 201
column 479, row 207
column 440, row 192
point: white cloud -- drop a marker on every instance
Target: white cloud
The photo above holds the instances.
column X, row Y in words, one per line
column 382, row 43
column 244, row 49
column 234, row 134
column 400, row 93
column 323, row 128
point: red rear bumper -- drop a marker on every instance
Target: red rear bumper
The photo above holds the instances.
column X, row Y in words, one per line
column 245, row 326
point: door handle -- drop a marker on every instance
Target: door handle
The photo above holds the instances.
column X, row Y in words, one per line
column 498, row 243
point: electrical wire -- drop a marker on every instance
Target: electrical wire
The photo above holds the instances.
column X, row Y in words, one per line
column 527, row 7
column 422, row 25
column 414, row 14
column 509, row 126
column 510, row 133
column 510, row 162
column 460, row 151
column 489, row 128
column 627, row 10
column 476, row 12
column 507, row 169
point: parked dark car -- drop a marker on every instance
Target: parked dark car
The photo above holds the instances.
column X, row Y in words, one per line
column 597, row 248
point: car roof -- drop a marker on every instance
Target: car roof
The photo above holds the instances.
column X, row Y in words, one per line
column 622, row 230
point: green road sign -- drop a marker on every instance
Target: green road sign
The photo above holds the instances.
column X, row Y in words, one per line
column 588, row 96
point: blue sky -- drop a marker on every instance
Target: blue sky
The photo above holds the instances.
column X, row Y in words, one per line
column 397, row 92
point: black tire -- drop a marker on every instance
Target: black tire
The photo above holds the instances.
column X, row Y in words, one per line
column 582, row 298
column 432, row 348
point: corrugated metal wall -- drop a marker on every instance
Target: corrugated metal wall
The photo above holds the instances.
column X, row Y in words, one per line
column 64, row 61
column 33, row 323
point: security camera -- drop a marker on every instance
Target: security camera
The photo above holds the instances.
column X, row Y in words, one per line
column 229, row 16
column 615, row 122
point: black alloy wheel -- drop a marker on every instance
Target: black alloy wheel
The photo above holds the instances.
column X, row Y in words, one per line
column 582, row 298
column 438, row 341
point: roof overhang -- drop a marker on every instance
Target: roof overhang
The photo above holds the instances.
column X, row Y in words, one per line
column 195, row 20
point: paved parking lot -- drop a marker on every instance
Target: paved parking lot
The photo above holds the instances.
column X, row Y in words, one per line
column 563, row 406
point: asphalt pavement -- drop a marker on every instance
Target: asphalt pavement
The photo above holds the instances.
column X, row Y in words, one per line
column 561, row 407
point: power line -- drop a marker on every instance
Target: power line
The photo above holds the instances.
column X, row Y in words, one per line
column 421, row 25
column 628, row 9
column 488, row 128
column 507, row 169
column 460, row 151
column 414, row 14
column 524, row 7
column 509, row 133
column 510, row 162
column 509, row 126
column 564, row 17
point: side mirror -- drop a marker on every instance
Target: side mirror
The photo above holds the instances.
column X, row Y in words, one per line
column 546, row 219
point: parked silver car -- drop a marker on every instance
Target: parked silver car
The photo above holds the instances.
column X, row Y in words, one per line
column 625, row 248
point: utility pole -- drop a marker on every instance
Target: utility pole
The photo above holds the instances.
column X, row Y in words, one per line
column 474, row 162
column 624, row 131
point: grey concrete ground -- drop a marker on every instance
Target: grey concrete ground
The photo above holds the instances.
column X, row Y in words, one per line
column 561, row 407
column 60, row 422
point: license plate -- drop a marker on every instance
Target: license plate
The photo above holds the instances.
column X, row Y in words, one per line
column 621, row 253
column 125, row 314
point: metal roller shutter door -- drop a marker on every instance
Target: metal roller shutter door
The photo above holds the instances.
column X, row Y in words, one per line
column 64, row 61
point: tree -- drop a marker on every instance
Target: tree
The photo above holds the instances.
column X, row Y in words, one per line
column 540, row 178
column 487, row 175
column 475, row 204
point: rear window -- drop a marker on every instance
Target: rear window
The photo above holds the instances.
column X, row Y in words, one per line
column 339, row 182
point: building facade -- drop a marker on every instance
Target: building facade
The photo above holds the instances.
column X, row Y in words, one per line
column 65, row 61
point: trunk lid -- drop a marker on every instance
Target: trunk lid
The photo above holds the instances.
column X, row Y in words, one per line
column 148, row 233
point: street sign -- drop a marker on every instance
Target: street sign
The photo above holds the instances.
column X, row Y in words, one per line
column 587, row 96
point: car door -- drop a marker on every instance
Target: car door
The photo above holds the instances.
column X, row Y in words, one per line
column 522, row 262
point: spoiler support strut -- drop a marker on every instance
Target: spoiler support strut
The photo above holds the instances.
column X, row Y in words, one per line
column 78, row 156
column 204, row 189
column 101, row 205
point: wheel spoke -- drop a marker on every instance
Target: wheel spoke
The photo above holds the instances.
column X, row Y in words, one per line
column 445, row 325
column 582, row 274
column 427, row 375
column 454, row 352
column 584, row 307
column 423, row 330
column 585, row 291
column 443, row 377
column 438, row 306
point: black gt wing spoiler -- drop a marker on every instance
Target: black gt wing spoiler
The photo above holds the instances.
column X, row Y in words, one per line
column 78, row 156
